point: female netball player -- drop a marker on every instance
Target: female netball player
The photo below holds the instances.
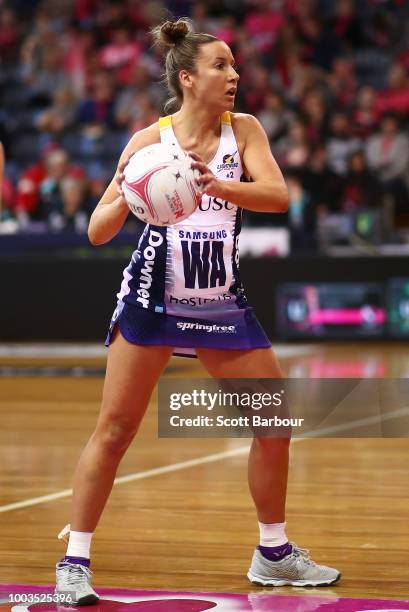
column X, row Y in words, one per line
column 173, row 278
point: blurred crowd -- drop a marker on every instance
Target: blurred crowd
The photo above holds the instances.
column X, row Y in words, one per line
column 328, row 80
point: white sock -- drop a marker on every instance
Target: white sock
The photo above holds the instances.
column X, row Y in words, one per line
column 272, row 534
column 79, row 544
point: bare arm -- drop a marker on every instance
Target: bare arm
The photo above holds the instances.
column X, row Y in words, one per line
column 111, row 211
column 268, row 191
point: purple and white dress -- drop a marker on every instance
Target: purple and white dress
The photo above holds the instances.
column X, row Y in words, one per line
column 182, row 287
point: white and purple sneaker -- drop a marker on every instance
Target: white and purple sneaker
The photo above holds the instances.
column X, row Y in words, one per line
column 74, row 584
column 295, row 569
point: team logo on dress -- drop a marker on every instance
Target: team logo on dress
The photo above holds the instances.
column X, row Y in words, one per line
column 229, row 162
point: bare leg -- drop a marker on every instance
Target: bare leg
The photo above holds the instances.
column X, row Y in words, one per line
column 132, row 372
column 268, row 458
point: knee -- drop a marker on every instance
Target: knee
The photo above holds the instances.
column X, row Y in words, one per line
column 115, row 436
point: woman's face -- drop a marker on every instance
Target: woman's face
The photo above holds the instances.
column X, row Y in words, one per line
column 214, row 82
column 366, row 98
column 297, row 133
column 357, row 163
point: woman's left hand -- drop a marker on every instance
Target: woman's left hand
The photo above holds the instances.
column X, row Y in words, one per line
column 207, row 181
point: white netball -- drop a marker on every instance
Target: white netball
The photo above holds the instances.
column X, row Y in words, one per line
column 160, row 186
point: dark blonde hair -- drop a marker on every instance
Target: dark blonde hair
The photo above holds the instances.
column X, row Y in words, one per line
column 183, row 46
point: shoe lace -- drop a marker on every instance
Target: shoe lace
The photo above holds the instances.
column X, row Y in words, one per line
column 76, row 573
column 304, row 553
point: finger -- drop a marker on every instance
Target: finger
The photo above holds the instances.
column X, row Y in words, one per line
column 201, row 166
column 208, row 187
column 129, row 157
column 197, row 161
column 125, row 162
column 205, row 178
column 195, row 156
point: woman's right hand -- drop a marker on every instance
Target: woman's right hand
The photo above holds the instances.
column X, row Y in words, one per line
column 120, row 174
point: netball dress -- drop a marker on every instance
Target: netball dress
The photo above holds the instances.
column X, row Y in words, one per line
column 182, row 287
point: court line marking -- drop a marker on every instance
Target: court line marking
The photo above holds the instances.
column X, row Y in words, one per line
column 372, row 420
column 164, row 469
column 174, row 467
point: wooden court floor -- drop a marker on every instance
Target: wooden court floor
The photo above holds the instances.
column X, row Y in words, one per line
column 193, row 527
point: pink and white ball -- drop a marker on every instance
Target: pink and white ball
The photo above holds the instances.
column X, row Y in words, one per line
column 160, row 186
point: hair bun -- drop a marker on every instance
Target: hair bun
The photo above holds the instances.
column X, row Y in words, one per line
column 173, row 33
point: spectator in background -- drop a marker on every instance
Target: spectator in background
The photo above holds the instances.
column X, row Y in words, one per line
column 246, row 55
column 8, row 221
column 256, row 78
column 2, row 164
column 121, row 54
column 9, row 34
column 262, row 24
column 322, row 183
column 381, row 29
column 84, row 12
column 109, row 15
column 287, row 47
column 28, row 187
column 388, row 157
column 71, row 213
column 147, row 114
column 301, row 216
column 43, row 68
column 388, row 151
column 38, row 190
column 275, row 117
column 361, row 187
column 142, row 84
column 314, row 111
column 62, row 193
column 226, row 30
column 60, row 115
column 341, row 143
column 7, row 198
column 97, row 181
column 346, row 25
column 365, row 117
column 395, row 99
column 302, row 77
column 80, row 53
column 96, row 113
column 342, row 82
column 299, row 10
column 319, row 46
column 200, row 16
column 293, row 151
column 136, row 16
